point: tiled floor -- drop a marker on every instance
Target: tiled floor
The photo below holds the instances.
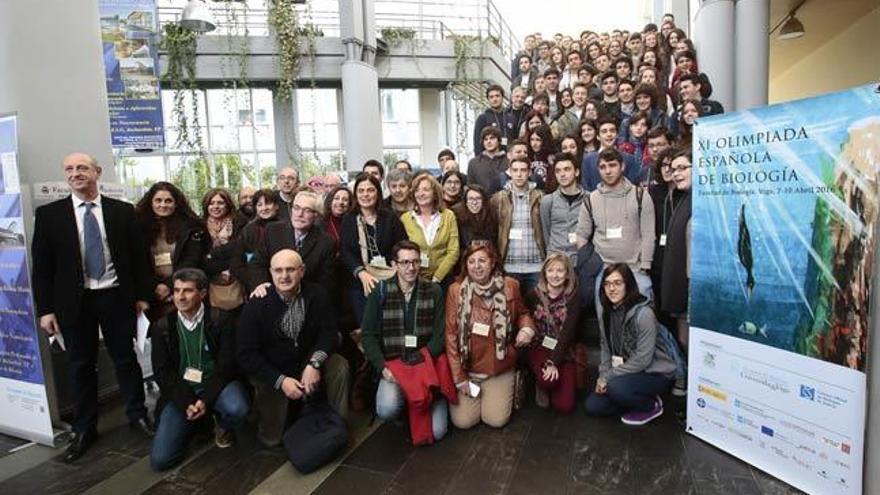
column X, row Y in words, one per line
column 539, row 452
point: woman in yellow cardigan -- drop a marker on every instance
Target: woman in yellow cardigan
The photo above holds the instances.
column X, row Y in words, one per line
column 433, row 228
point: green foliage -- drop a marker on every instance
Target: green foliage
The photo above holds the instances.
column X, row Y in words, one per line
column 284, row 20
column 395, row 36
column 180, row 46
column 198, row 175
column 389, row 158
column 237, row 45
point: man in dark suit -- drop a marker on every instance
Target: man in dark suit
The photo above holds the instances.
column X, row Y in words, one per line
column 303, row 235
column 90, row 269
column 284, row 343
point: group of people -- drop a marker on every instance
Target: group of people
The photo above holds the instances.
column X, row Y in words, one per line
column 448, row 291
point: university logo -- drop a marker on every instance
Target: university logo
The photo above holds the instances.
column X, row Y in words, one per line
column 701, row 402
column 808, row 393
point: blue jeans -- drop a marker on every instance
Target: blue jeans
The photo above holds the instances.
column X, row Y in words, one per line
column 634, row 392
column 174, row 429
column 390, row 401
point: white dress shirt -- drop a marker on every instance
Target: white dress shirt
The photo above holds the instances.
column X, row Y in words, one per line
column 108, row 280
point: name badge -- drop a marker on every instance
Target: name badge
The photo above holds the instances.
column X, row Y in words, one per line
column 616, row 361
column 516, row 234
column 480, row 329
column 379, row 262
column 410, row 341
column 662, row 239
column 424, row 260
column 572, row 238
column 192, row 375
column 614, row 233
column 163, row 259
column 549, row 343
column 504, row 141
column 473, row 390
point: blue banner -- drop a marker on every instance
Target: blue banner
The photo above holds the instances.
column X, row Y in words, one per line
column 129, row 32
column 23, row 400
column 786, row 207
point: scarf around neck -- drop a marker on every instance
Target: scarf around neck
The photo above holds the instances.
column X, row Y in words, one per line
column 493, row 293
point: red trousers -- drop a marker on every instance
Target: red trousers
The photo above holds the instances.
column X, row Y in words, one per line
column 417, row 383
column 562, row 390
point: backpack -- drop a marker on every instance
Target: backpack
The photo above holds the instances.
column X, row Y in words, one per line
column 669, row 345
column 316, row 438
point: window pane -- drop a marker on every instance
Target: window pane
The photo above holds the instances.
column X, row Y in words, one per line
column 400, row 117
column 141, row 170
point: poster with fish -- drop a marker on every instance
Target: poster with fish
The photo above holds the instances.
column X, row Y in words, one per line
column 784, row 230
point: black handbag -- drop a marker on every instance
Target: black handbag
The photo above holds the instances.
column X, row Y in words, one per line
column 316, row 438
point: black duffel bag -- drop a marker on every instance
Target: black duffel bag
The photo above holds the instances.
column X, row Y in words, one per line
column 316, row 438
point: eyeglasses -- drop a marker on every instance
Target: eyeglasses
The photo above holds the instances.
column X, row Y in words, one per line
column 613, row 283
column 306, row 211
column 408, row 263
column 679, row 169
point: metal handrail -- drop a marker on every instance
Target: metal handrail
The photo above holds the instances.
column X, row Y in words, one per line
column 460, row 17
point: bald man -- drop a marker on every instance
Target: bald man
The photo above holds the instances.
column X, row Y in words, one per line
column 90, row 269
column 284, row 340
column 286, row 184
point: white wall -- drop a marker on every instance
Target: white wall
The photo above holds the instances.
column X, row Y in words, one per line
column 52, row 74
column 847, row 60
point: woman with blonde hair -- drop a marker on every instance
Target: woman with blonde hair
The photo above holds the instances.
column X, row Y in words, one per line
column 555, row 308
column 433, row 227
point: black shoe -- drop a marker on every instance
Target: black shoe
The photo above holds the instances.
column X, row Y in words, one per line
column 79, row 444
column 145, row 425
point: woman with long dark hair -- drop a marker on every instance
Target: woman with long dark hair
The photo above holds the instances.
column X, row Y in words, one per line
column 226, row 293
column 476, row 222
column 175, row 236
column 369, row 231
column 541, row 151
column 634, row 368
column 337, row 203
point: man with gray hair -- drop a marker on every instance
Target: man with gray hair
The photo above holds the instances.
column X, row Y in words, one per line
column 302, row 234
column 194, row 364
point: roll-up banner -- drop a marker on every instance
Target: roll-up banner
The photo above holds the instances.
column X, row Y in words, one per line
column 784, row 232
column 24, row 406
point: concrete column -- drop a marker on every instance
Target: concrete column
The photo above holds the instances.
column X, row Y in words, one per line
column 682, row 12
column 55, row 83
column 430, row 116
column 286, row 136
column 752, row 69
column 713, row 37
column 363, row 123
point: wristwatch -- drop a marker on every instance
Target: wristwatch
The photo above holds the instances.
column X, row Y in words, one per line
column 314, row 363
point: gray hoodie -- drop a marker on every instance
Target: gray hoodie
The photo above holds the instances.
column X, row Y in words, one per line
column 636, row 342
column 558, row 220
column 619, row 234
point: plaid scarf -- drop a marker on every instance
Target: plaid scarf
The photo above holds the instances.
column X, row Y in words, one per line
column 393, row 314
column 294, row 316
column 494, row 293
